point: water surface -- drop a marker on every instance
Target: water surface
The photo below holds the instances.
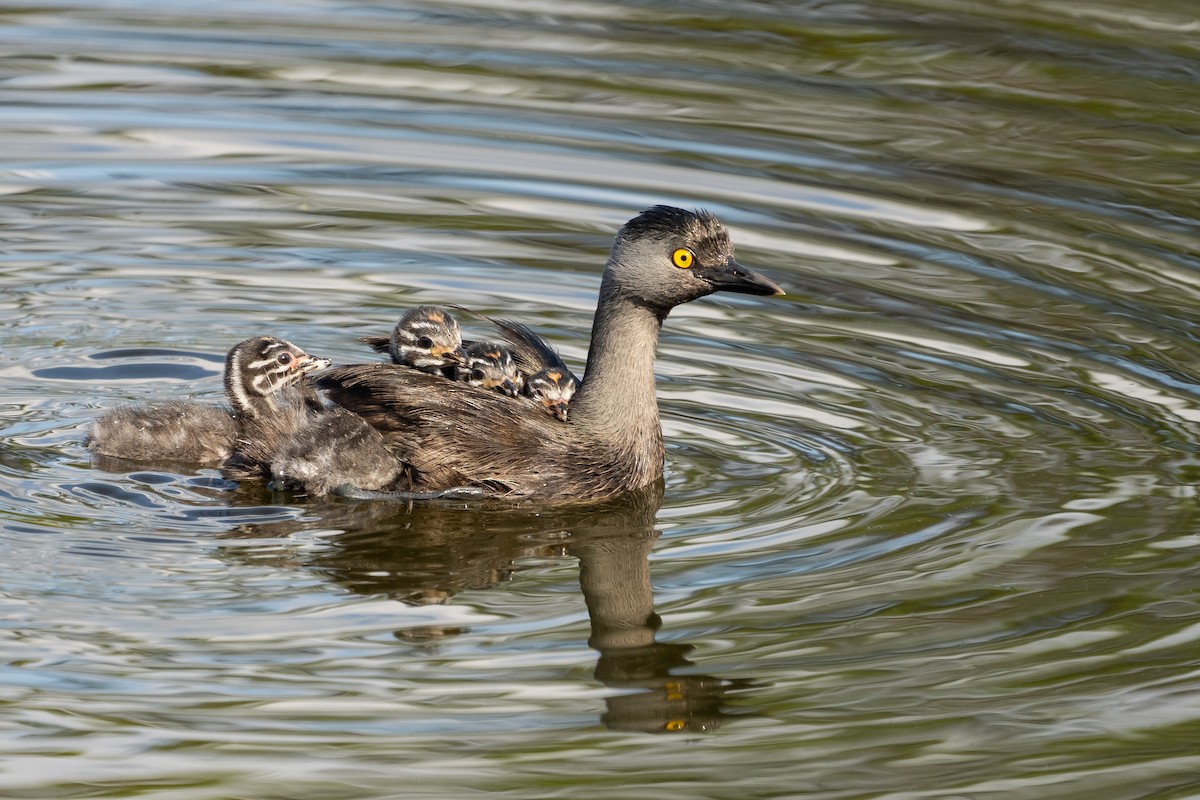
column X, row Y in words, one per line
column 928, row 527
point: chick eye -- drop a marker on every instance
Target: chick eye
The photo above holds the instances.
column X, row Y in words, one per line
column 476, row 374
column 683, row 258
column 284, row 358
column 425, row 343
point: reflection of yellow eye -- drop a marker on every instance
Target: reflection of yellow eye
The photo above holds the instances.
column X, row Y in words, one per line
column 683, row 258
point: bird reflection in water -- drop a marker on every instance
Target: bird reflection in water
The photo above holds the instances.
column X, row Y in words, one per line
column 428, row 553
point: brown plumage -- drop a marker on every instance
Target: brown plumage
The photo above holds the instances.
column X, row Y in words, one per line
column 453, row 435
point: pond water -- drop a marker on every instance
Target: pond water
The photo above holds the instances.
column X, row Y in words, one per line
column 929, row 525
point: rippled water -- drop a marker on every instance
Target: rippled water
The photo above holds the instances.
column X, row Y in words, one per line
column 929, row 527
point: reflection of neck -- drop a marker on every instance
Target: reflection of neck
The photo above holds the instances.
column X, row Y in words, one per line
column 614, row 573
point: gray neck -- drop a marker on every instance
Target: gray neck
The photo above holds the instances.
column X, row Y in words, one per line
column 617, row 401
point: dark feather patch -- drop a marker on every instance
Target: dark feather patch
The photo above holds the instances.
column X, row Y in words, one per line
column 455, row 435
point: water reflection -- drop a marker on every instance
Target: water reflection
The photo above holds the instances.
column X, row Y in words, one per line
column 428, row 553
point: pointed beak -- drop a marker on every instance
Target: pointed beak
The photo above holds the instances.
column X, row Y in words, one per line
column 508, row 387
column 309, row 364
column 733, row 277
column 455, row 356
column 556, row 407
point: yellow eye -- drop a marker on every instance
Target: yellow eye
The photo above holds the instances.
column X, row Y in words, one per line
column 683, row 258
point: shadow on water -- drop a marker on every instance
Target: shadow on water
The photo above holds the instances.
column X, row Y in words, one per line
column 427, row 553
